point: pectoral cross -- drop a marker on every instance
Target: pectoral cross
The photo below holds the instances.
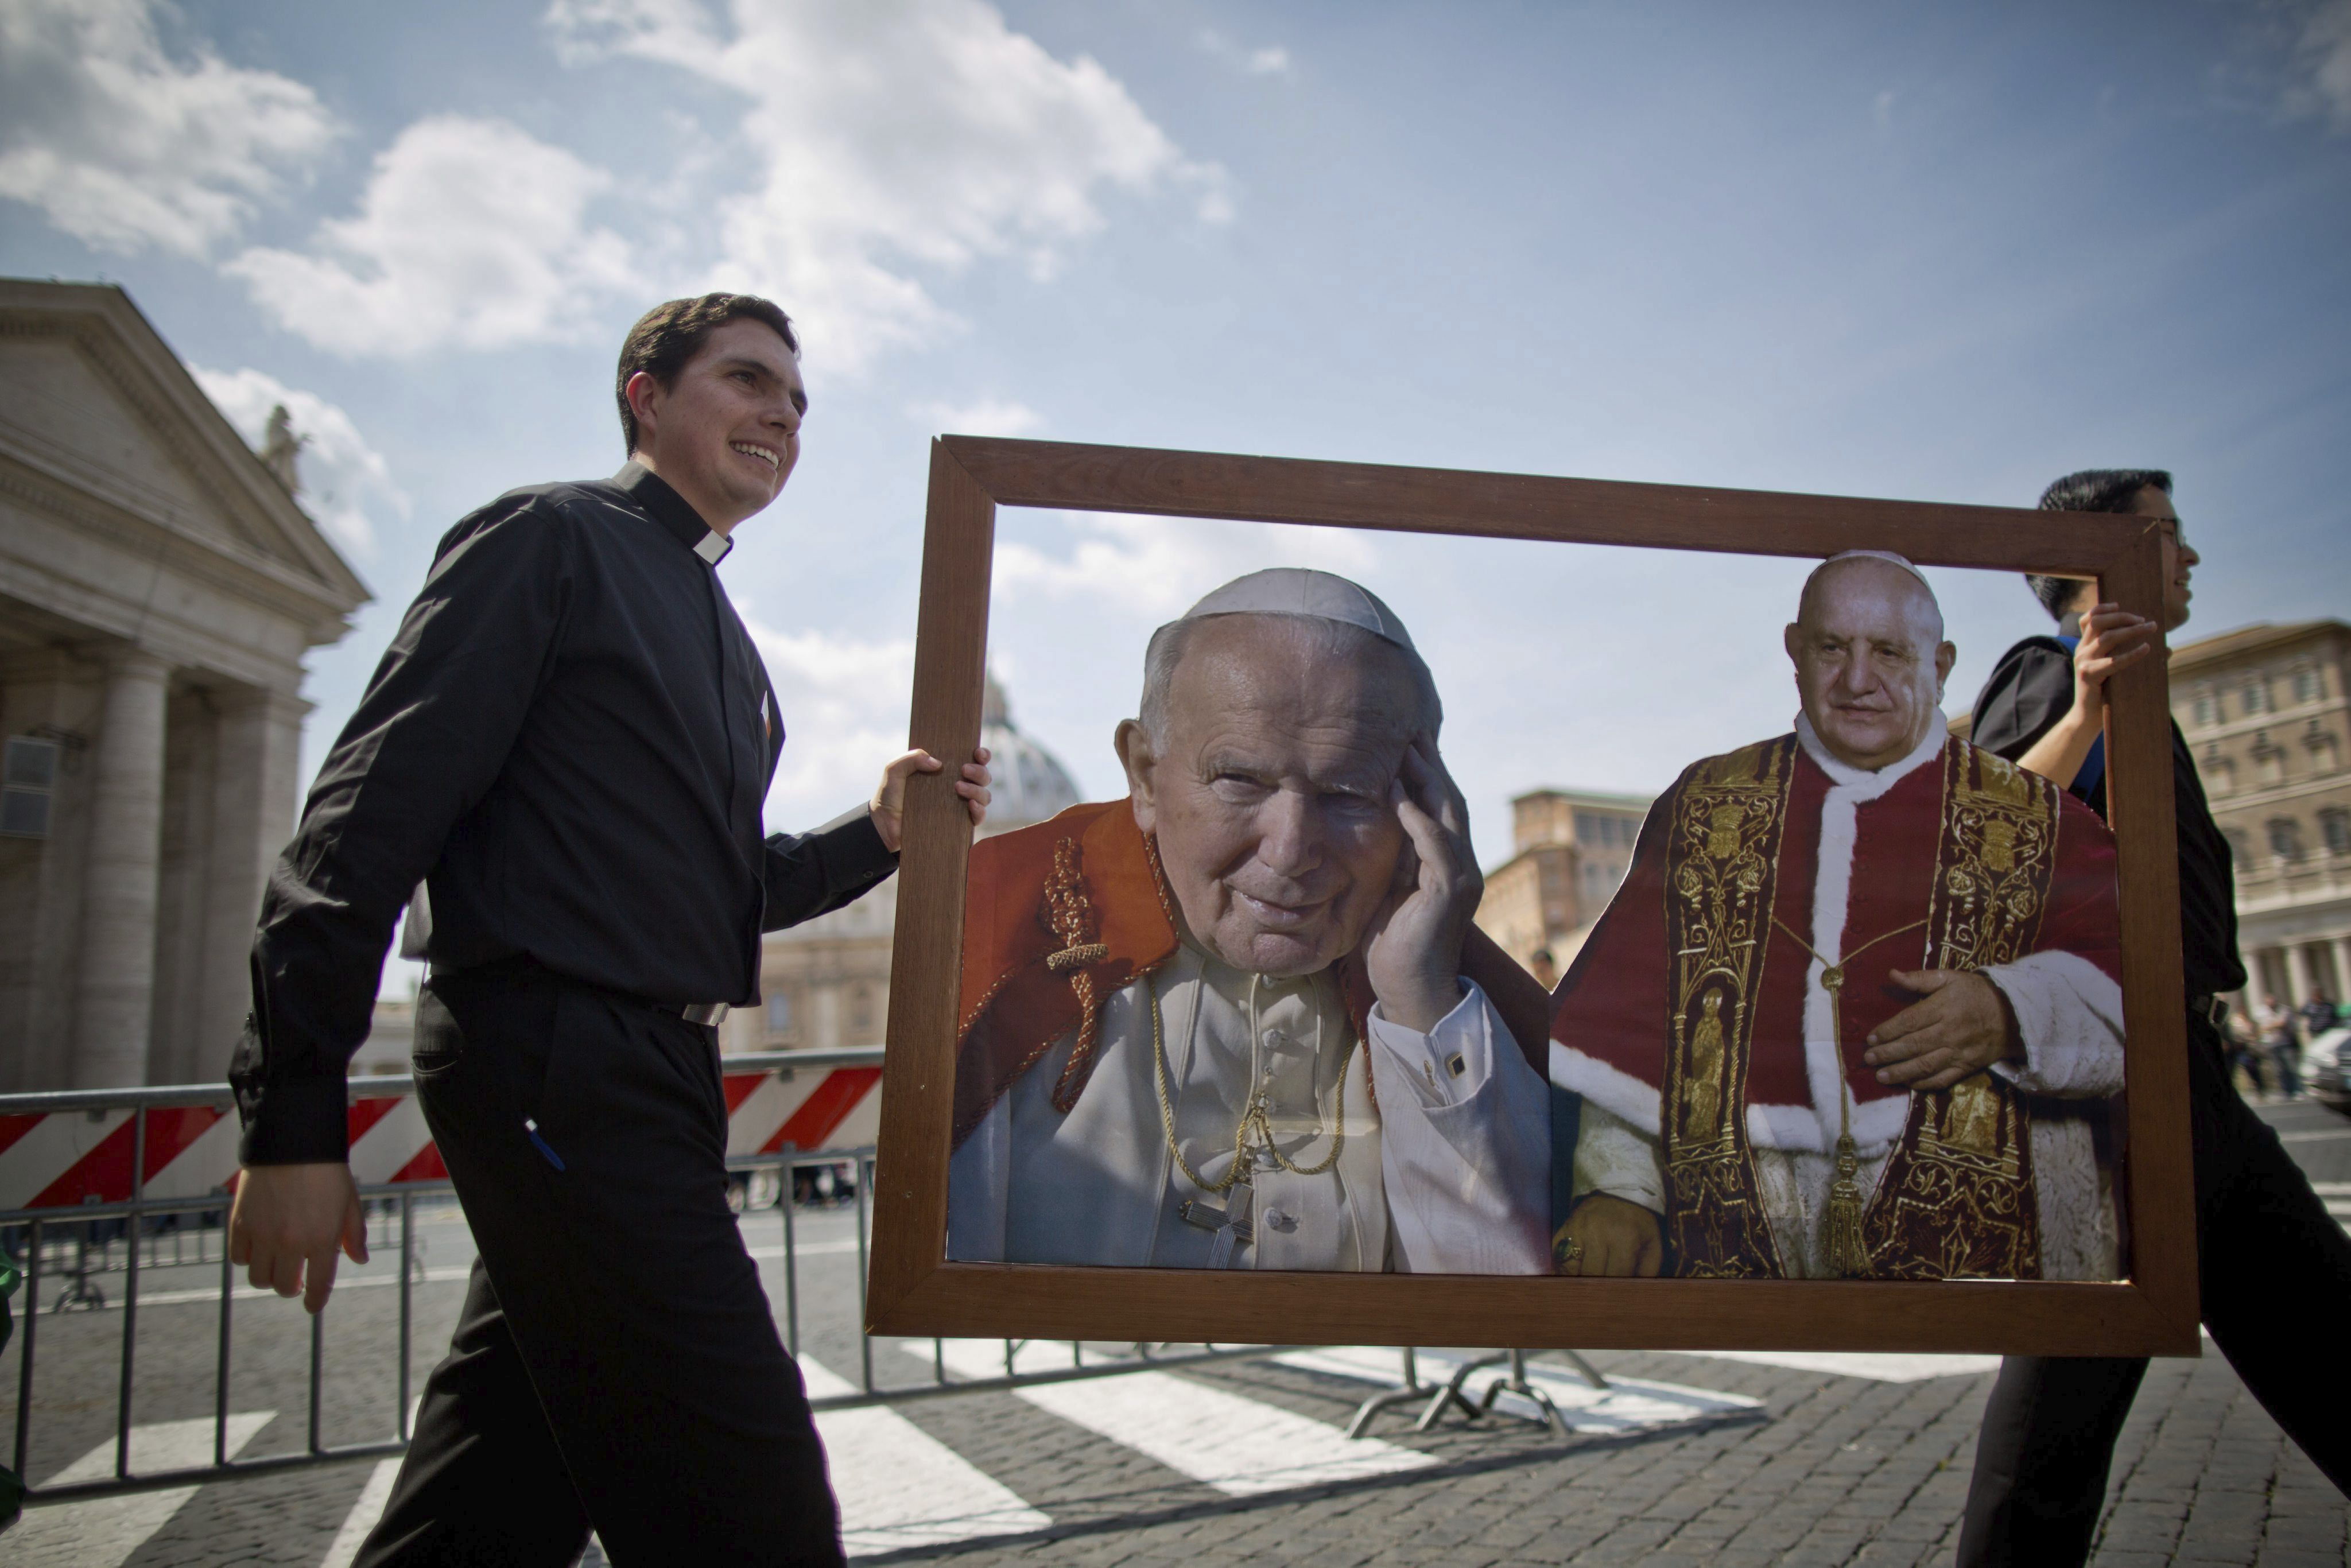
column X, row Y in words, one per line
column 1229, row 1220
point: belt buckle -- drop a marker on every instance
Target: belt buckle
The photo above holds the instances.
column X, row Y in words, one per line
column 710, row 1013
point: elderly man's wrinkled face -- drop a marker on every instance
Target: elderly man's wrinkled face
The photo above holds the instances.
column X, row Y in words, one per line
column 1870, row 661
column 1271, row 797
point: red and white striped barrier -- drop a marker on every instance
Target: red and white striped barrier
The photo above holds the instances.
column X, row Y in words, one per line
column 64, row 1159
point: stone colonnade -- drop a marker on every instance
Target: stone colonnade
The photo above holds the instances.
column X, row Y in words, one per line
column 2307, row 967
column 114, row 993
column 177, row 797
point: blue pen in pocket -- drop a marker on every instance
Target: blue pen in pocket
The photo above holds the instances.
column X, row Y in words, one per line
column 539, row 1144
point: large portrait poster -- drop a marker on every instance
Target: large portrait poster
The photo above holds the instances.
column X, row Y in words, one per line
column 1466, row 908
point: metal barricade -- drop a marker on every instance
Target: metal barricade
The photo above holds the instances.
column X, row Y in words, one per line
column 138, row 1231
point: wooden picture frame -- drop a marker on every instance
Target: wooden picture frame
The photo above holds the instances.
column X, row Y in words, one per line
column 914, row 1290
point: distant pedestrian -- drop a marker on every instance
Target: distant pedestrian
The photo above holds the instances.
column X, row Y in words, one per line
column 2285, row 1050
column 2318, row 1015
column 2253, row 1046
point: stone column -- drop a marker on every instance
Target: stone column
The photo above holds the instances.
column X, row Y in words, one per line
column 254, row 805
column 2297, row 973
column 115, row 991
column 2342, row 948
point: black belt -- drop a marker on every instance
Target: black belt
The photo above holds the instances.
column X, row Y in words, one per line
column 523, row 967
column 2209, row 1006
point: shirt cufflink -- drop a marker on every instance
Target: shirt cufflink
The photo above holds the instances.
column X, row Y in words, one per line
column 1456, row 1053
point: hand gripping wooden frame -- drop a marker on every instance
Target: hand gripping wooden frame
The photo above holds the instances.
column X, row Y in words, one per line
column 914, row 1290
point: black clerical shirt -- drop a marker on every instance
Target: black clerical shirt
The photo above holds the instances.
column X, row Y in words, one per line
column 2030, row 690
column 568, row 742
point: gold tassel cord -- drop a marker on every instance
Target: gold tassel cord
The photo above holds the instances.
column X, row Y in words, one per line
column 1848, row 1258
column 1069, row 915
column 1253, row 1119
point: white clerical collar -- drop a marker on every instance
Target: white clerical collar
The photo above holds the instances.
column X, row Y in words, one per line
column 1871, row 781
column 1230, row 980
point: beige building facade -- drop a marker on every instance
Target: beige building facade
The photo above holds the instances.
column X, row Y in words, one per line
column 826, row 983
column 2267, row 712
column 159, row 588
column 1572, row 850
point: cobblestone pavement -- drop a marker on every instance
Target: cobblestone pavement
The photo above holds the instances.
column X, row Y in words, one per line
column 1847, row 1460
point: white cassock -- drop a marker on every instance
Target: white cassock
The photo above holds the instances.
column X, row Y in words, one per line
column 1447, row 1171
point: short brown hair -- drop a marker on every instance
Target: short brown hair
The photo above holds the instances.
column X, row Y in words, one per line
column 668, row 336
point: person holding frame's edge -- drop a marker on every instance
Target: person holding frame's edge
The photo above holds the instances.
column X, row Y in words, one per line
column 567, row 743
column 2274, row 1267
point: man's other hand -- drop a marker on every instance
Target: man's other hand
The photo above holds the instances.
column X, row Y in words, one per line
column 2112, row 638
column 1608, row 1237
column 1962, row 1027
column 287, row 1224
column 1414, row 957
column 889, row 802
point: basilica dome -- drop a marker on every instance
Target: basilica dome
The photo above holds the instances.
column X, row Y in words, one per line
column 826, row 981
column 1028, row 782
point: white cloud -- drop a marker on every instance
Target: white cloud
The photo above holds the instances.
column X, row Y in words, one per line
column 472, row 233
column 892, row 139
column 1158, row 566
column 984, row 416
column 2323, row 64
column 342, row 476
column 844, row 703
column 122, row 146
column 1269, row 61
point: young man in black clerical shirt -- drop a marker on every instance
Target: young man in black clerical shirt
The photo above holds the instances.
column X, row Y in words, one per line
column 2274, row 1267
column 567, row 744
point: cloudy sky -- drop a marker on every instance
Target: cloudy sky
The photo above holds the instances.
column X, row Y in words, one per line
column 1937, row 253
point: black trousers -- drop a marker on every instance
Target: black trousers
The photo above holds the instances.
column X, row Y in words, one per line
column 2274, row 1272
column 616, row 1365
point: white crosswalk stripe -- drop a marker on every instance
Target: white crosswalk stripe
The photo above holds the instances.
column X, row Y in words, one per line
column 368, row 1507
column 1626, row 1404
column 899, row 1487
column 1876, row 1368
column 902, row 1489
column 362, row 1516
column 104, row 1532
column 1241, row 1447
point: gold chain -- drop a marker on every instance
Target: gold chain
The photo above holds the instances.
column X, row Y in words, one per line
column 1848, row 1253
column 1832, row 975
column 1254, row 1117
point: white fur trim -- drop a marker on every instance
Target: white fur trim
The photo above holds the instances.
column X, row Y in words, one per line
column 1876, row 1124
column 1849, row 789
column 1619, row 1093
column 1614, row 1157
column 2069, row 1015
column 1798, row 1129
column 1893, row 773
column 1784, row 1127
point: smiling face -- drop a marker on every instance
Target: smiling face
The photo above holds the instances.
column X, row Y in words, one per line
column 1269, row 792
column 725, row 432
column 1870, row 661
